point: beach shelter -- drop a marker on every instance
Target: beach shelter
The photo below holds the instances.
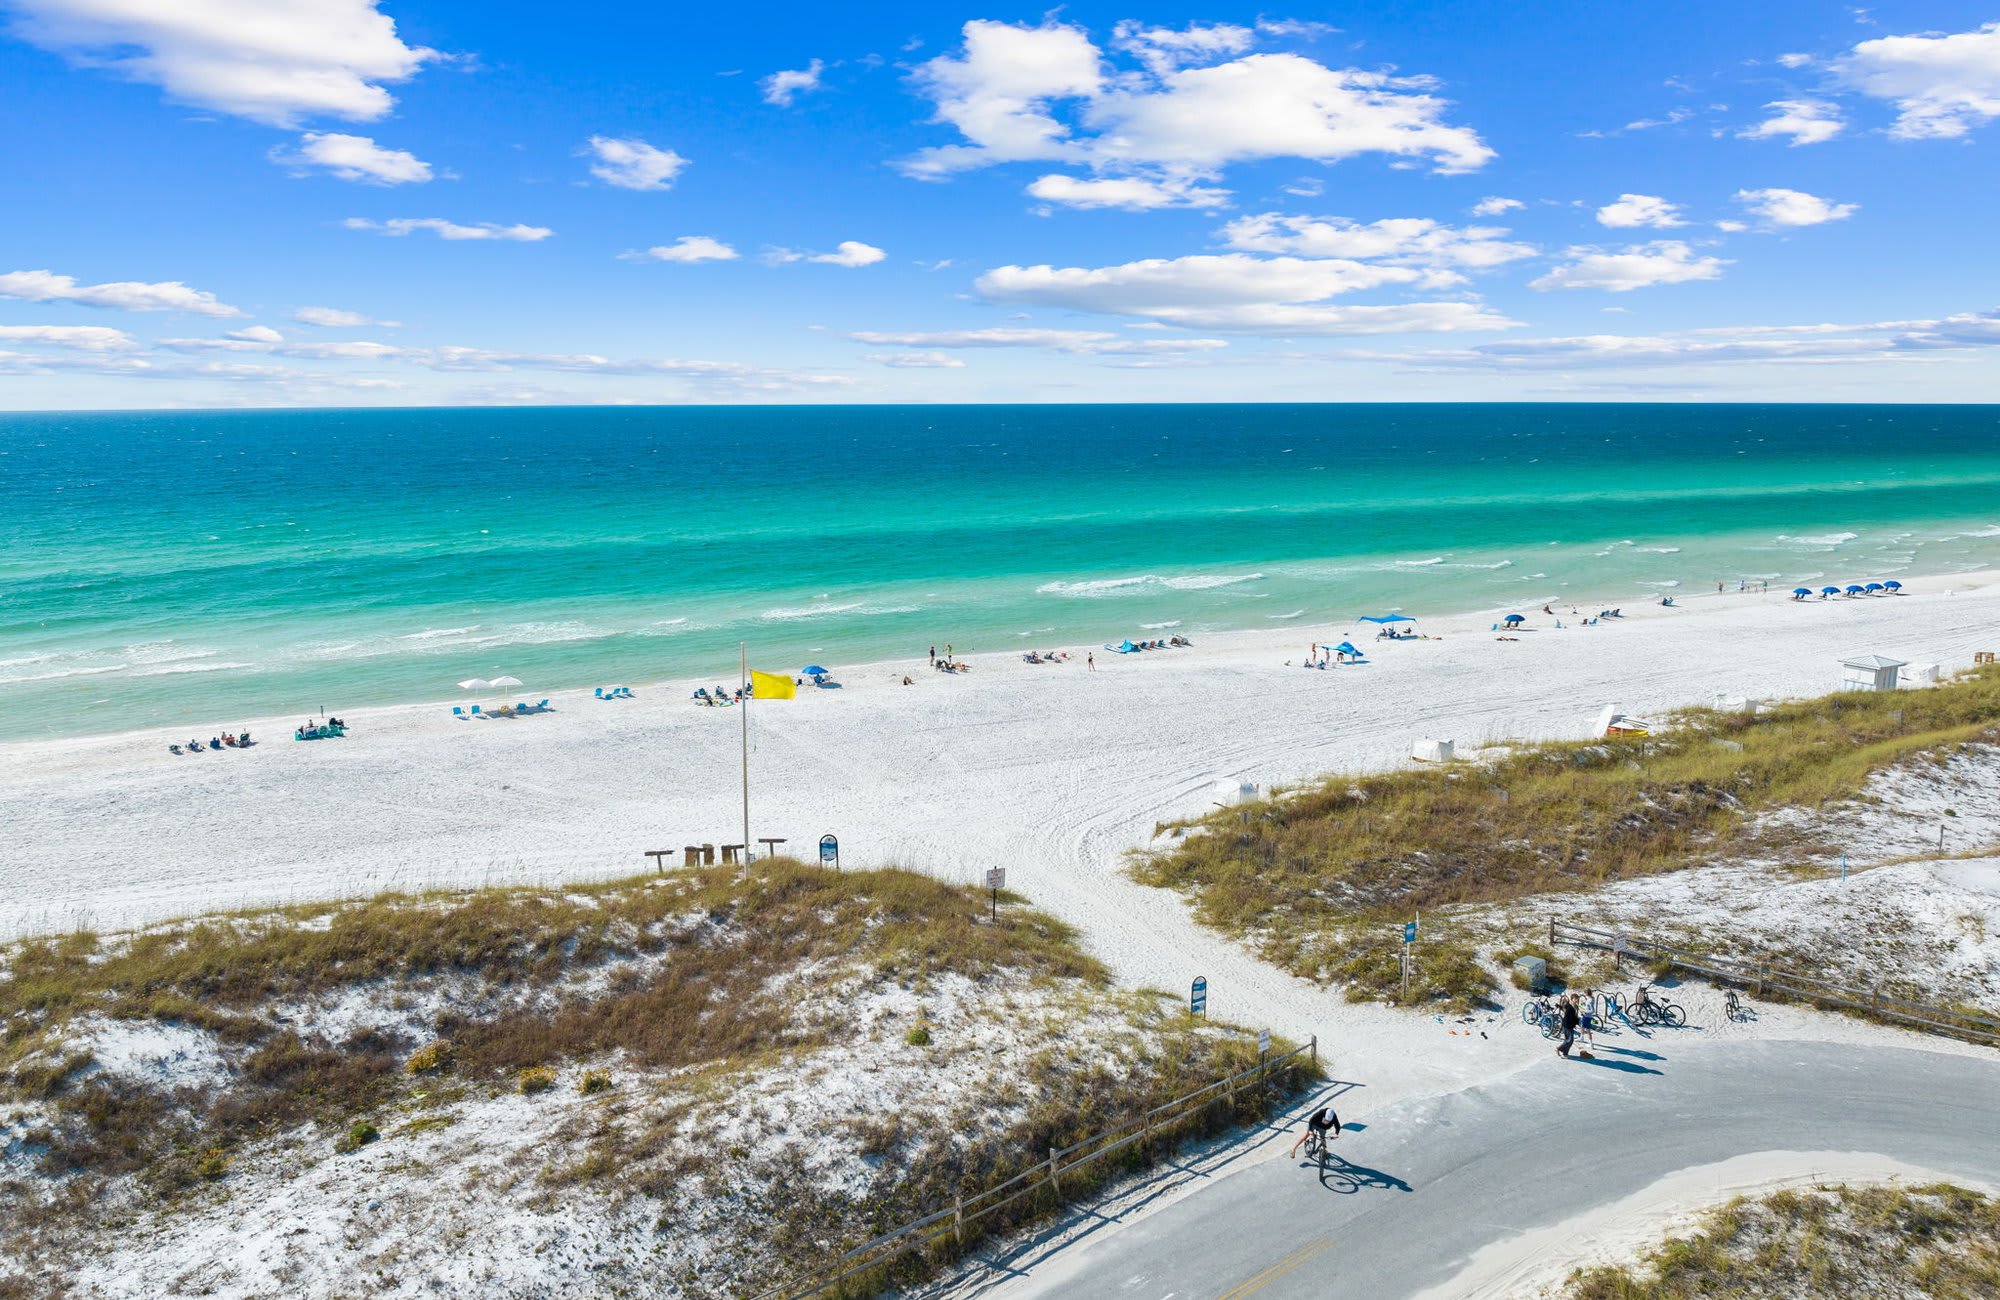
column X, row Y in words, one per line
column 506, row 681
column 1893, row 585
column 1874, row 586
column 1347, row 648
column 1869, row 673
column 1829, row 591
column 474, row 684
column 1387, row 618
column 1801, row 592
column 1515, row 618
column 1855, row 589
column 813, row 670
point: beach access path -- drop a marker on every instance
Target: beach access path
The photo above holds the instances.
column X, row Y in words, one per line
column 1051, row 771
column 1496, row 1191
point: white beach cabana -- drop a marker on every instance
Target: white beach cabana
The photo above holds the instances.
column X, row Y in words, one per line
column 1869, row 673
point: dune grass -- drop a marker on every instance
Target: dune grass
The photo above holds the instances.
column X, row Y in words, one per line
column 660, row 1005
column 1317, row 878
column 642, row 997
column 1938, row 1241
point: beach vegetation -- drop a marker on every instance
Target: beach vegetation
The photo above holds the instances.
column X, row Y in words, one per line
column 1940, row 1241
column 1319, row 879
column 391, row 1018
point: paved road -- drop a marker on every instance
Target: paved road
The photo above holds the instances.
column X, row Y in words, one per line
column 1426, row 1184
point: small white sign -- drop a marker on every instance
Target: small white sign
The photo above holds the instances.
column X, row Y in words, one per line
column 1263, row 1041
column 996, row 877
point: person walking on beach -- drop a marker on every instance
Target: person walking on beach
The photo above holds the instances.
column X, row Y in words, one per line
column 1570, row 1020
column 933, row 656
column 1090, row 661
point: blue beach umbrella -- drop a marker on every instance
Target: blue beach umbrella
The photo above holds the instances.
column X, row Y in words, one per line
column 1855, row 589
column 1875, row 586
column 813, row 670
column 1516, row 618
column 1893, row 585
column 1829, row 591
column 1802, row 591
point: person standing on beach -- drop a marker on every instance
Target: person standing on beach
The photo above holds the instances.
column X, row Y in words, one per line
column 933, row 656
column 1090, row 661
column 1570, row 1020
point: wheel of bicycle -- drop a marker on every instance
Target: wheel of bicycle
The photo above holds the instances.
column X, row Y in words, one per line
column 1642, row 1012
column 1532, row 1012
column 1552, row 1026
column 1673, row 1016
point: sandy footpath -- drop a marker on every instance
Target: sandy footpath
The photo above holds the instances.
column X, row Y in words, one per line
column 1052, row 771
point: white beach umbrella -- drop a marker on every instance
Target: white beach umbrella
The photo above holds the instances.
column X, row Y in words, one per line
column 506, row 681
column 474, row 684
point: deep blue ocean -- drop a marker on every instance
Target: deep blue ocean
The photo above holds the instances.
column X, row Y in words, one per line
column 207, row 567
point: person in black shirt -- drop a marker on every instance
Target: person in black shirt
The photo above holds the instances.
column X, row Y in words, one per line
column 1324, row 1122
column 1570, row 1019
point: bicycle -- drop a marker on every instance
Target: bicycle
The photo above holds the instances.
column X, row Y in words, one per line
column 1732, row 1006
column 1316, row 1147
column 1535, row 1009
column 1645, row 1011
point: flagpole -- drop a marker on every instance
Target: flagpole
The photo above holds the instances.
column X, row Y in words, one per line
column 743, row 681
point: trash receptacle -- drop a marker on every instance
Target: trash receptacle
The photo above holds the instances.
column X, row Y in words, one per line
column 1535, row 971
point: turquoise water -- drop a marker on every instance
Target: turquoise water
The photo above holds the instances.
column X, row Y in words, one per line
column 206, row 567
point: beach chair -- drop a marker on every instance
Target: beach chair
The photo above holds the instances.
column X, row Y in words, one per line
column 475, row 710
column 599, row 692
column 457, row 712
column 543, row 705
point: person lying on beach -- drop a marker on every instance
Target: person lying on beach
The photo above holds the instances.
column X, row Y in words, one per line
column 908, row 682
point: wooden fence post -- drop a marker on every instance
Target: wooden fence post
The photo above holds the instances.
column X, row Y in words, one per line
column 958, row 1220
column 1315, row 1051
column 1055, row 1178
column 1552, row 934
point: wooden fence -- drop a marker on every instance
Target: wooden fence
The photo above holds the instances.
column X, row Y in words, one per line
column 1762, row 978
column 959, row 1220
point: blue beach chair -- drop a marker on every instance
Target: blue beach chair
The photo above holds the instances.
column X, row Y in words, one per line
column 457, row 712
column 475, row 710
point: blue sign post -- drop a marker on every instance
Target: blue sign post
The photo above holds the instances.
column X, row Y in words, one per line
column 1409, row 932
column 1198, row 997
column 829, row 852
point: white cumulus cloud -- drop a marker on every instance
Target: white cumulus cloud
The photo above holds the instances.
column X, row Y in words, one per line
column 1495, row 206
column 1049, row 93
column 917, row 360
column 686, row 249
column 632, row 164
column 1793, row 207
column 450, row 229
column 1403, row 241
column 850, row 252
column 355, row 158
column 122, row 295
column 1805, row 121
column 1235, row 293
column 1129, row 193
column 272, row 61
column 1640, row 210
column 1667, row 261
column 78, row 338
column 1075, row 342
column 335, row 318
column 781, row 88
column 1942, row 85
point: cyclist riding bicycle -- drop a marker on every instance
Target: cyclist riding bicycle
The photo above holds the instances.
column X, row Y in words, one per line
column 1324, row 1124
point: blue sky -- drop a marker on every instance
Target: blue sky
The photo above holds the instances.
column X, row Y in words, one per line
column 393, row 202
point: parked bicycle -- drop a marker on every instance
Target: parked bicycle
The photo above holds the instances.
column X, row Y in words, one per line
column 1732, row 1006
column 1645, row 1010
column 1535, row 1010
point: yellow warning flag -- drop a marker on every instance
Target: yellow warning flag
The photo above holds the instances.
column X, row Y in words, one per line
column 771, row 686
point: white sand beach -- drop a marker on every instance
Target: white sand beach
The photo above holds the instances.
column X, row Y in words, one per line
column 1052, row 771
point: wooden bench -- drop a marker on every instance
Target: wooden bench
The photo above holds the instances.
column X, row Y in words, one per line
column 770, row 843
column 729, row 852
column 659, row 857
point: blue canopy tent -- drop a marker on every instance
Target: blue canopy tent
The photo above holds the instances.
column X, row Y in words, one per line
column 1387, row 618
column 1893, row 585
column 1347, row 648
